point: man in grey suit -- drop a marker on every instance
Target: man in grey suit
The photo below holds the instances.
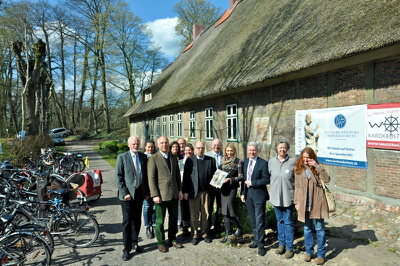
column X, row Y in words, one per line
column 215, row 193
column 165, row 188
column 132, row 183
column 255, row 194
column 197, row 175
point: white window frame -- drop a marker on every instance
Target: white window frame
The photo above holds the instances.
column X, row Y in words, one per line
column 152, row 131
column 158, row 128
column 180, row 125
column 192, row 124
column 164, row 129
column 209, row 122
column 232, row 122
column 171, row 126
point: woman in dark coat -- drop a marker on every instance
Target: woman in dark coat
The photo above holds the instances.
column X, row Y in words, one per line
column 234, row 167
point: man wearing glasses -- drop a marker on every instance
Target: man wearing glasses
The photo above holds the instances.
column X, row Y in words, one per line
column 197, row 175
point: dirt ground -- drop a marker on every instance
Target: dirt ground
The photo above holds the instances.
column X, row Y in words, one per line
column 346, row 246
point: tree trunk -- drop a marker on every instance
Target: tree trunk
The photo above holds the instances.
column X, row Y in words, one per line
column 104, row 92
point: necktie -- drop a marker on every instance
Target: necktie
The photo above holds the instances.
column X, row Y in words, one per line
column 217, row 159
column 135, row 162
column 250, row 170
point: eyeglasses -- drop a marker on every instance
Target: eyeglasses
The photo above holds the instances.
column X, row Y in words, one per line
column 200, row 148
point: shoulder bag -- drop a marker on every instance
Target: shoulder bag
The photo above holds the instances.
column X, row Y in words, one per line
column 330, row 199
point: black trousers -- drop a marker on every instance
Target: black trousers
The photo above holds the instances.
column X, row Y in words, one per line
column 131, row 219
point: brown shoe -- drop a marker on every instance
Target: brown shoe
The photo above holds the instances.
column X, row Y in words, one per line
column 320, row 261
column 307, row 258
column 177, row 245
column 280, row 250
column 162, row 248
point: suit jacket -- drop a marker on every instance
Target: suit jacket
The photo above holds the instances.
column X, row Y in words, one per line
column 259, row 181
column 163, row 182
column 211, row 154
column 125, row 176
column 191, row 175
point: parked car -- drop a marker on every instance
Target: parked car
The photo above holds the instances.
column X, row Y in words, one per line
column 58, row 140
column 59, row 131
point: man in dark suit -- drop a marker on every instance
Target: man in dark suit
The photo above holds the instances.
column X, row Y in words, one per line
column 132, row 183
column 215, row 193
column 254, row 192
column 165, row 188
column 197, row 175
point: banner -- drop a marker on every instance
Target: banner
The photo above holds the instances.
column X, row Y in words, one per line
column 337, row 135
column 383, row 126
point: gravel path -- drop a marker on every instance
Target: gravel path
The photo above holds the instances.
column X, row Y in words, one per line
column 347, row 244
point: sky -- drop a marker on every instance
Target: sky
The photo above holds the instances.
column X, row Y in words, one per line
column 161, row 20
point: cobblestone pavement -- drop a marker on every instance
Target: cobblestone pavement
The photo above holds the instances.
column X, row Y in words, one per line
column 356, row 235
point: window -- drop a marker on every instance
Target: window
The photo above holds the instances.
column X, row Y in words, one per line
column 144, row 129
column 180, row 126
column 209, row 123
column 231, row 122
column 171, row 126
column 152, row 129
column 158, row 127
column 164, row 125
column 147, row 95
column 192, row 124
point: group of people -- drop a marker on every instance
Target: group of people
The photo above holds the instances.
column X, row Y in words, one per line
column 177, row 179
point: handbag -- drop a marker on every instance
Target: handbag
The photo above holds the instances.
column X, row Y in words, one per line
column 330, row 199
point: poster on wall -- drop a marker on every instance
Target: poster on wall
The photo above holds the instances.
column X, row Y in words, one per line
column 383, row 126
column 337, row 135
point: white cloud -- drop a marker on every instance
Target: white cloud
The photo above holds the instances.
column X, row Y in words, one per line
column 163, row 31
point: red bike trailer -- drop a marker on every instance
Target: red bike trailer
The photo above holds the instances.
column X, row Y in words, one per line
column 86, row 186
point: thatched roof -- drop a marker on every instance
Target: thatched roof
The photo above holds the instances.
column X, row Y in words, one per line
column 264, row 39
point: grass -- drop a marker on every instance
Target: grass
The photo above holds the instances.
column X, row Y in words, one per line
column 110, row 157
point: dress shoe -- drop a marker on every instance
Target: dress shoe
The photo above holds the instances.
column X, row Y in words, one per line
column 177, row 245
column 207, row 239
column 253, row 245
column 148, row 233
column 224, row 239
column 261, row 251
column 136, row 248
column 162, row 248
column 195, row 241
column 125, row 255
column 238, row 232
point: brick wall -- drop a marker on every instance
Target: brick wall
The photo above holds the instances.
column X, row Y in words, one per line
column 386, row 175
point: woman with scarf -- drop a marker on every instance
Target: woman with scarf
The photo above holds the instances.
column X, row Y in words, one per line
column 234, row 167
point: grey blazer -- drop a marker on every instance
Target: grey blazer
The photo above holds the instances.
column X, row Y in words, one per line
column 125, row 176
column 211, row 154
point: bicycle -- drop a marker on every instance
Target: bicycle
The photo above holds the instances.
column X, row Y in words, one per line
column 23, row 247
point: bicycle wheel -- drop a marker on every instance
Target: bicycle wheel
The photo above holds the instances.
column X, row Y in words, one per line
column 25, row 249
column 40, row 229
column 81, row 164
column 77, row 229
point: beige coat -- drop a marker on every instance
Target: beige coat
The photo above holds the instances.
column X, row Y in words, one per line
column 163, row 182
column 319, row 206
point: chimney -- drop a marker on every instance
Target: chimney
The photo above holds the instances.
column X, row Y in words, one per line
column 232, row 2
column 197, row 29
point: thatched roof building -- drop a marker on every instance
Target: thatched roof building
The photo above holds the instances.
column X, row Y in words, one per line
column 266, row 42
